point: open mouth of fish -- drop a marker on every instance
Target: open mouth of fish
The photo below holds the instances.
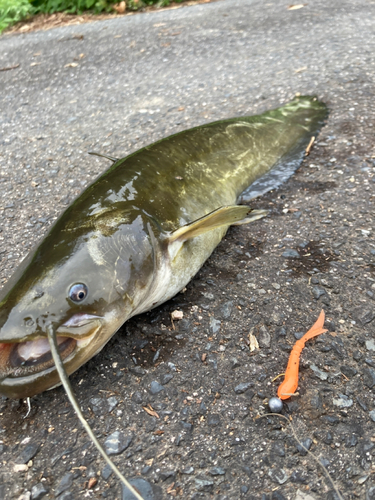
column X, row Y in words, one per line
column 33, row 356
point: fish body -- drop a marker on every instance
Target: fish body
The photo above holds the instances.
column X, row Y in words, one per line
column 136, row 236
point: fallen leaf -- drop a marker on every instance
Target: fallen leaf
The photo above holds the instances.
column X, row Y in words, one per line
column 181, row 108
column 71, row 65
column 204, row 356
column 297, row 6
column 92, row 482
column 151, row 412
column 7, row 68
column 170, row 488
column 159, row 432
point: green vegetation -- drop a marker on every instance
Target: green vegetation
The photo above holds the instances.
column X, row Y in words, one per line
column 12, row 11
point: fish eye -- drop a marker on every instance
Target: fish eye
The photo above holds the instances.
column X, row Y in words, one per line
column 78, row 292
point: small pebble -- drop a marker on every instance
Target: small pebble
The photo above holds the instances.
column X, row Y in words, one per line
column 116, row 443
column 289, row 253
column 243, row 387
column 144, row 488
column 177, row 315
column 343, row 401
column 278, row 475
column 155, row 387
column 65, row 483
column 38, row 491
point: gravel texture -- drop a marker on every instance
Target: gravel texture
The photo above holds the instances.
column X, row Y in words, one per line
column 187, row 394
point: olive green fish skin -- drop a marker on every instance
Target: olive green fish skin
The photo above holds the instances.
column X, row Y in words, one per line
column 114, row 238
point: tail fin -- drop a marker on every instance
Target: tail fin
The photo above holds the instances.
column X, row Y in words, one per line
column 284, row 147
column 316, row 329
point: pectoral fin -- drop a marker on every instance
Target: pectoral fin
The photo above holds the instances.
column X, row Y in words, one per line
column 223, row 216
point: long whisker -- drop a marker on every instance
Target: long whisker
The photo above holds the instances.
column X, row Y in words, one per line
column 69, row 391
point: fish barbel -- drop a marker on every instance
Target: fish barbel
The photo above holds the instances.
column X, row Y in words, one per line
column 137, row 235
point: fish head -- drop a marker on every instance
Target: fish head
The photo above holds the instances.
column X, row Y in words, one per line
column 85, row 286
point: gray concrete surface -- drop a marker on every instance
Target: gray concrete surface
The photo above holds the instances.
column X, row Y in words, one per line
column 114, row 86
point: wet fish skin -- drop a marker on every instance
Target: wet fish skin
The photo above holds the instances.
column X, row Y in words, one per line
column 137, row 235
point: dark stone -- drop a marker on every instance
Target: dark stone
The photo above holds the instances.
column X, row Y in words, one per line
column 369, row 377
column 243, row 387
column 106, row 472
column 137, row 370
column 184, row 325
column 276, row 495
column 357, row 355
column 306, row 443
column 38, row 491
column 27, row 453
column 213, row 419
column 300, row 477
column 290, row 253
column 226, row 309
column 117, row 442
column 318, row 292
column 348, row 371
column 166, row 378
column 234, row 363
column 278, row 448
column 203, row 483
column 155, row 387
column 351, row 441
column 365, row 316
column 187, row 426
column 217, row 471
column 331, row 419
column 65, row 483
column 147, row 490
column 112, row 402
column 66, row 495
column 332, row 495
column 362, row 404
column 137, row 397
column 264, row 337
column 188, row 470
column 167, row 474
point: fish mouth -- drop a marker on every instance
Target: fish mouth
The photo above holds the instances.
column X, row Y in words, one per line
column 33, row 356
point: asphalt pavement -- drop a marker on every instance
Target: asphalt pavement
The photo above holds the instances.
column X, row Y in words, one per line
column 185, row 397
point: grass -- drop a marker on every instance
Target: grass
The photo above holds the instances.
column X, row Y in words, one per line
column 12, row 11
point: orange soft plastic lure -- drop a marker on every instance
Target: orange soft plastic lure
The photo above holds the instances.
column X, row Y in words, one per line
column 290, row 383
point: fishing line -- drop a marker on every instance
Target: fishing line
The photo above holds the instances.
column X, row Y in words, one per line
column 328, row 475
column 69, row 391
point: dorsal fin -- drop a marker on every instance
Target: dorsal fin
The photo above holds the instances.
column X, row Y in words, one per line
column 104, row 156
